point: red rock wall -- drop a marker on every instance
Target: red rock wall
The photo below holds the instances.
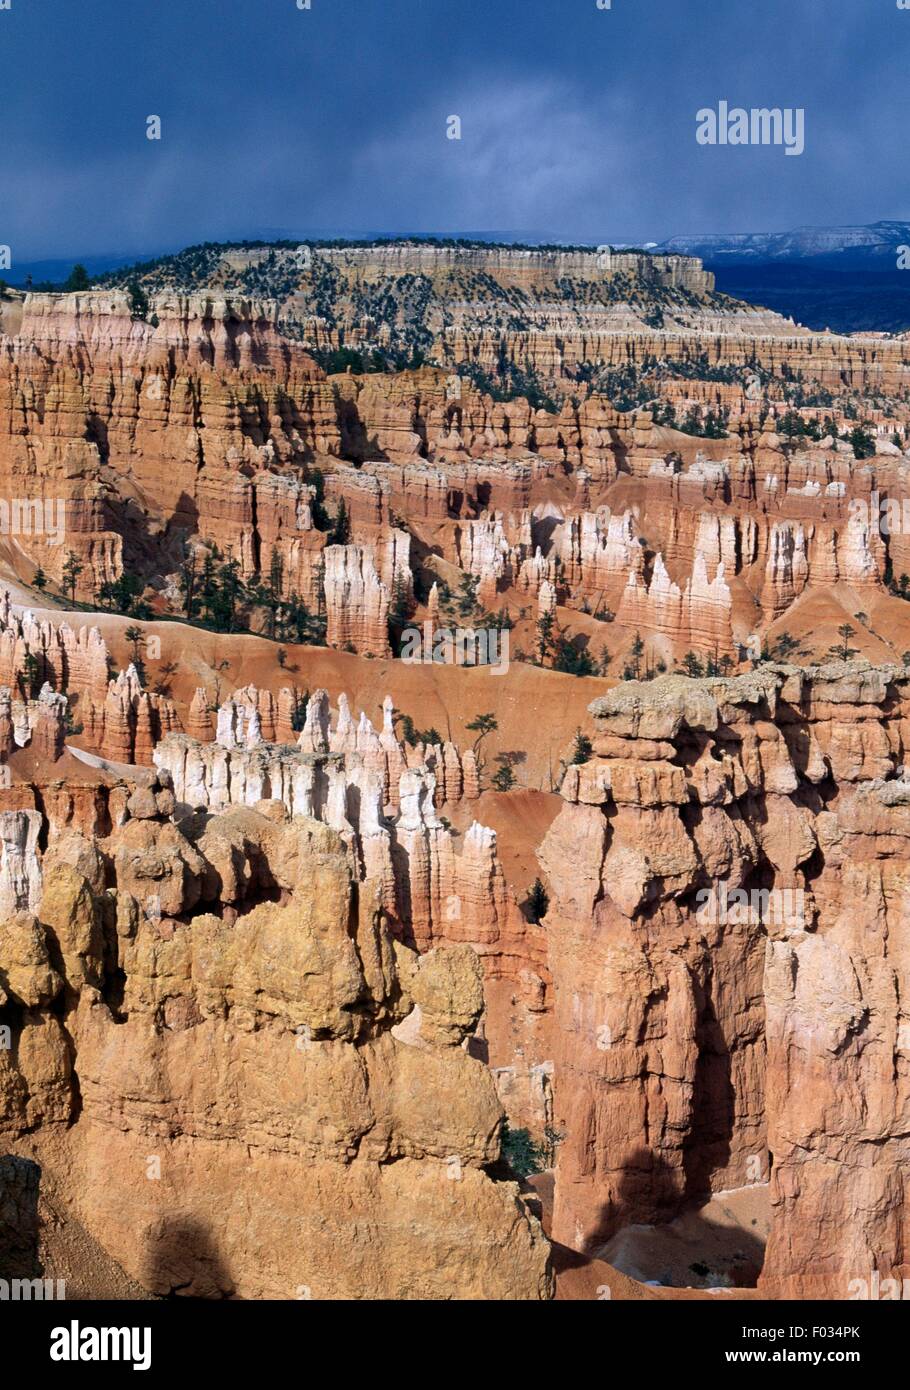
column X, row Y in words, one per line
column 697, row 1047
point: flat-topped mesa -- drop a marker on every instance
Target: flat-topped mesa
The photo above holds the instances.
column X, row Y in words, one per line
column 223, row 332
column 221, row 422
column 727, row 878
column 746, row 339
column 486, row 302
column 526, row 265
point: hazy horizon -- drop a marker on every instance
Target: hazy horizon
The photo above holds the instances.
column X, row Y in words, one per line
column 575, row 120
column 100, row 261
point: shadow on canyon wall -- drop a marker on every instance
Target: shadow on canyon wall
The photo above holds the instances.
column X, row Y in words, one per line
column 20, row 1182
column 180, row 1260
column 700, row 1246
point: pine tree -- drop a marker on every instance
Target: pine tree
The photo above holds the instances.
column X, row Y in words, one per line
column 638, row 648
column 72, row 569
column 538, row 901
column 842, row 650
column 134, row 635
column 503, row 779
column 78, row 279
column 341, row 531
column 139, row 300
column 482, row 725
column 31, row 672
column 545, row 637
column 399, row 607
column 582, row 748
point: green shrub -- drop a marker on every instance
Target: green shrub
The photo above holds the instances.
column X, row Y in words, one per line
column 519, row 1151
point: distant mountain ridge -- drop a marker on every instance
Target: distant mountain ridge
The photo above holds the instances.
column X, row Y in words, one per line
column 870, row 247
column 843, row 278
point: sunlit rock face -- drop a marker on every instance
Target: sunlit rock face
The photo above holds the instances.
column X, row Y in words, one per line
column 274, row 966
column 206, row 1054
column 730, row 882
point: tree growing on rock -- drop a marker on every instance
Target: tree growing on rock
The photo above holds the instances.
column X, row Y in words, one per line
column 341, row 530
column 503, row 779
column 545, row 637
column 637, row 652
column 78, row 279
column 399, row 607
column 135, row 637
column 538, row 901
column 139, row 301
column 482, row 725
column 842, row 651
column 122, row 596
column 72, row 568
column 582, row 748
column 519, row 1152
column 572, row 660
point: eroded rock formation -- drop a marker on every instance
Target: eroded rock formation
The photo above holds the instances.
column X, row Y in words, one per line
column 269, row 969
column 729, row 976
column 163, row 1032
column 234, row 438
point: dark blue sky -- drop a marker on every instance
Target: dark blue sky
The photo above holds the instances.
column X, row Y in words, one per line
column 577, row 122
